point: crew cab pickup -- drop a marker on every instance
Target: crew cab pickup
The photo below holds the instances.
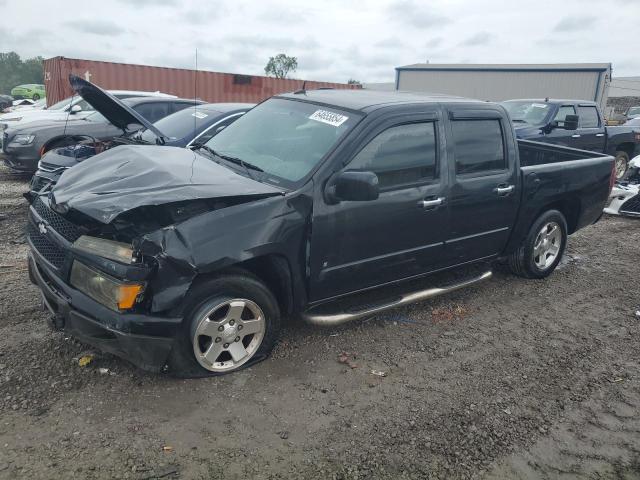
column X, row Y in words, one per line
column 577, row 124
column 322, row 205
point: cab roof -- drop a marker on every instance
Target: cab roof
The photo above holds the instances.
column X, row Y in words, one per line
column 368, row 100
column 552, row 100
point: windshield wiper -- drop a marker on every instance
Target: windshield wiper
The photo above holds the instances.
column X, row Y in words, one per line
column 236, row 160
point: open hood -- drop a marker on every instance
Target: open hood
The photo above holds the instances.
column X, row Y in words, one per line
column 132, row 176
column 119, row 114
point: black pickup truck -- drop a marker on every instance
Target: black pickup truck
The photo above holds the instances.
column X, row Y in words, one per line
column 574, row 123
column 321, row 205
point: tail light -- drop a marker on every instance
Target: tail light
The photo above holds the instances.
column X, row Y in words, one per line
column 612, row 178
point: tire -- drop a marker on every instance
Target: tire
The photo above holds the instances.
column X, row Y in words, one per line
column 215, row 299
column 527, row 261
column 35, row 97
column 622, row 163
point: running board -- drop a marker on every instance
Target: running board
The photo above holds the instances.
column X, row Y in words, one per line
column 330, row 319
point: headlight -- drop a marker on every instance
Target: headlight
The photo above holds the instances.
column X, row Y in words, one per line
column 107, row 290
column 22, row 139
column 120, row 252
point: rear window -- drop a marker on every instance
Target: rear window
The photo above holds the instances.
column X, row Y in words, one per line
column 589, row 117
column 479, row 146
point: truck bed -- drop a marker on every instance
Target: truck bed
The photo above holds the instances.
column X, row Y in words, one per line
column 537, row 153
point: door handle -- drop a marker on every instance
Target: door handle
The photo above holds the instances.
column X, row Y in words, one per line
column 504, row 190
column 577, row 135
column 432, row 203
column 599, row 134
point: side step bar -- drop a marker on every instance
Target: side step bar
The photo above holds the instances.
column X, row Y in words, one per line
column 330, row 319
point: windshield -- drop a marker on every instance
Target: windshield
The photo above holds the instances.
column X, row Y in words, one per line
column 532, row 113
column 180, row 124
column 96, row 117
column 60, row 105
column 285, row 138
column 633, row 111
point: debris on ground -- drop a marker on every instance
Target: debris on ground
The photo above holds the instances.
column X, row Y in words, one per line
column 448, row 313
column 103, row 371
column 378, row 373
column 85, row 360
column 167, row 448
column 344, row 357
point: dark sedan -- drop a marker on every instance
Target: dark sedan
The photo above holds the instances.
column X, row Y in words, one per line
column 189, row 127
column 22, row 146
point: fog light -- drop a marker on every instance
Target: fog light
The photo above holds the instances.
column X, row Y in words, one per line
column 110, row 292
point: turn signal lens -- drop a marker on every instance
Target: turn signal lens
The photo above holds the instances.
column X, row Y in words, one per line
column 127, row 295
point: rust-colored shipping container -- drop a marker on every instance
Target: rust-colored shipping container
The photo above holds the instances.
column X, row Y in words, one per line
column 211, row 86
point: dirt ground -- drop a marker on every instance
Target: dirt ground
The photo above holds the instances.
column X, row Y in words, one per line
column 510, row 379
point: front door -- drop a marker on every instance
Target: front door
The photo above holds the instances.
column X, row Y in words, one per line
column 485, row 190
column 357, row 245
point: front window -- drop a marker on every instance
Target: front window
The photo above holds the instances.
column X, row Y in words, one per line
column 634, row 111
column 286, row 139
column 531, row 113
column 62, row 104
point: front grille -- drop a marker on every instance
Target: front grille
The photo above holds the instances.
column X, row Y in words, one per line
column 631, row 206
column 60, row 224
column 49, row 250
column 49, row 167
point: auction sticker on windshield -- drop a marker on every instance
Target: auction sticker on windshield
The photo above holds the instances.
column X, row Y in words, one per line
column 199, row 115
column 329, row 118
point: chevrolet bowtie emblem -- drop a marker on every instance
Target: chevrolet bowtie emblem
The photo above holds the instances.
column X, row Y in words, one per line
column 43, row 228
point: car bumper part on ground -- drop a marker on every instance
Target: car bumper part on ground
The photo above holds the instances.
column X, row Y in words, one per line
column 145, row 340
column 625, row 200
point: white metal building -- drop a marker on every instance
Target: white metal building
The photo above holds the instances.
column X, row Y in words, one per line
column 583, row 81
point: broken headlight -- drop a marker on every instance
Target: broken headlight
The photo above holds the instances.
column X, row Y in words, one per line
column 108, row 291
column 120, row 252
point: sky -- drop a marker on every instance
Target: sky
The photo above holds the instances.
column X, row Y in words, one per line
column 333, row 40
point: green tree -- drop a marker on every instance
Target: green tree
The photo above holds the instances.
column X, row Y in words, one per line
column 280, row 65
column 15, row 71
column 352, row 81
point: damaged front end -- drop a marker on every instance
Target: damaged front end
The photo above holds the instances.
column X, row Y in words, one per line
column 114, row 264
column 625, row 195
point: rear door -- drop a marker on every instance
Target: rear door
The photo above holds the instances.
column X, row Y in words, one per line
column 356, row 245
column 591, row 129
column 484, row 193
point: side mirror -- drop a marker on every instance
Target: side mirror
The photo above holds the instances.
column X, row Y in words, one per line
column 571, row 122
column 353, row 186
column 75, row 109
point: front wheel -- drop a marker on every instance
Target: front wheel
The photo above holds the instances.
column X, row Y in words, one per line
column 35, row 97
column 622, row 163
column 542, row 249
column 232, row 322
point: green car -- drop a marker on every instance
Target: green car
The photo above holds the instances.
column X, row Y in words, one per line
column 30, row 90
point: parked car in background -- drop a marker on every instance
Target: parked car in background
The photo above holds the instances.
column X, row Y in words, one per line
column 633, row 112
column 75, row 106
column 6, row 101
column 189, row 127
column 625, row 196
column 574, row 123
column 22, row 146
column 34, row 91
column 307, row 206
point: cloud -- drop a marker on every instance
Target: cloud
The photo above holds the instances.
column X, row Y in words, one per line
column 163, row 3
column 434, row 42
column 96, row 27
column 480, row 38
column 574, row 23
column 416, row 14
column 390, row 42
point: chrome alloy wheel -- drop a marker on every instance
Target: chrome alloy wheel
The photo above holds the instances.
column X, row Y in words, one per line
column 228, row 335
column 621, row 167
column 547, row 245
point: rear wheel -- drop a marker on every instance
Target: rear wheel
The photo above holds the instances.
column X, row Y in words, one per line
column 35, row 97
column 622, row 163
column 232, row 322
column 542, row 250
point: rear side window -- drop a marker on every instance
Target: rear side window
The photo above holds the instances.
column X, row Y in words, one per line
column 478, row 146
column 400, row 155
column 589, row 117
column 153, row 111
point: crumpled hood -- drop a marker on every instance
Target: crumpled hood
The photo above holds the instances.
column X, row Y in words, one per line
column 132, row 176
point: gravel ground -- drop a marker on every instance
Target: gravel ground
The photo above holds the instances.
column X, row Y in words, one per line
column 509, row 379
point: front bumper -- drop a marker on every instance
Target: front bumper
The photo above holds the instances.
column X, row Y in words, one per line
column 624, row 200
column 23, row 159
column 143, row 339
